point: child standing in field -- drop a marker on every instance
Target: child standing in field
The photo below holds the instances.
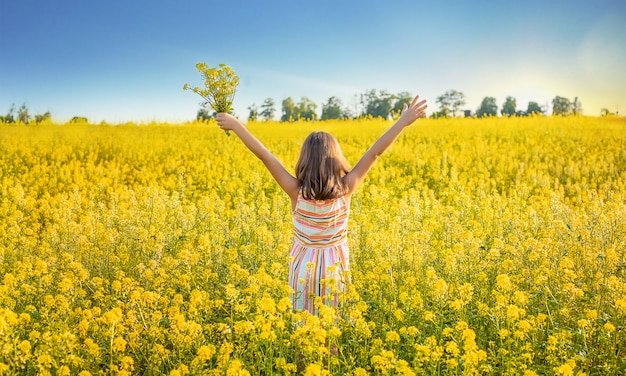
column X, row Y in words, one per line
column 320, row 204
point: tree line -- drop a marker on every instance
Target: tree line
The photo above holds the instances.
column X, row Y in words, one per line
column 372, row 103
column 22, row 115
column 386, row 105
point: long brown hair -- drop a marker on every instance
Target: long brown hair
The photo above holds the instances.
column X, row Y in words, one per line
column 321, row 167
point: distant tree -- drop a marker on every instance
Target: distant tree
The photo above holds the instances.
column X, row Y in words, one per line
column 79, row 119
column 332, row 109
column 400, row 99
column 9, row 117
column 577, row 107
column 347, row 113
column 533, row 108
column 450, row 102
column 306, row 109
column 267, row 109
column 508, row 108
column 253, row 112
column 561, row 106
column 440, row 114
column 606, row 112
column 22, row 114
column 488, row 107
column 42, row 117
column 289, row 111
column 204, row 114
column 377, row 104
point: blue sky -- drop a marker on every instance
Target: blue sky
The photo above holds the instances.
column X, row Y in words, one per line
column 128, row 60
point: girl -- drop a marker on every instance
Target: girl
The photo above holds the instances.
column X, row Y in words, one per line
column 320, row 204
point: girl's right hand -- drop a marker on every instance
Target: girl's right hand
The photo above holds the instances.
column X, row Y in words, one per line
column 413, row 112
column 227, row 121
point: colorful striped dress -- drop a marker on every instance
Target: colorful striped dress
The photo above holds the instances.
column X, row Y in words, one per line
column 319, row 255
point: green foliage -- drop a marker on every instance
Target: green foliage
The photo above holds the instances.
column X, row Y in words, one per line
column 267, row 109
column 289, row 110
column 253, row 112
column 561, row 106
column 332, row 109
column 450, row 102
column 508, row 108
column 266, row 112
column 23, row 116
column 377, row 104
column 606, row 112
column 305, row 110
column 9, row 117
column 401, row 99
column 533, row 108
column 488, row 107
column 40, row 118
column 79, row 119
column 576, row 107
column 204, row 114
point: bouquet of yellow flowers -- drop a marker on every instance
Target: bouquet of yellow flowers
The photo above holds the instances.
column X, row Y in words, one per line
column 220, row 84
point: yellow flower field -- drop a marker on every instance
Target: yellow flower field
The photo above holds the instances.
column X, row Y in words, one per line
column 491, row 246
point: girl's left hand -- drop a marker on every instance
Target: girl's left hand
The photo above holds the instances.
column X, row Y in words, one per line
column 227, row 121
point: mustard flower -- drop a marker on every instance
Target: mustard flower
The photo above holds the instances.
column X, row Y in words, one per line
column 119, row 344
column 392, row 336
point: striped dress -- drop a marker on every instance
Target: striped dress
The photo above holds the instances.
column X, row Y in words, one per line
column 319, row 259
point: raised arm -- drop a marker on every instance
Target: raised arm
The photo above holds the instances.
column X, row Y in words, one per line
column 286, row 181
column 409, row 114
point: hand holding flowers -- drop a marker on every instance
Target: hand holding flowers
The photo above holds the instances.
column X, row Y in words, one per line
column 220, row 85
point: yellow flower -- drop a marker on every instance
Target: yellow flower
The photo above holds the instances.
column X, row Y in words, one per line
column 452, row 348
column 541, row 318
column 236, row 369
column 456, row 304
column 334, row 332
column 461, row 325
column 403, row 368
column 429, row 316
column 412, row 331
column 116, row 285
column 503, row 282
column 392, row 336
column 440, row 288
column 466, row 291
column 514, row 312
column 284, row 304
column 267, row 304
column 63, row 371
column 206, row 352
column 383, row 362
column 119, row 344
column 504, row 333
column 315, row 370
column 566, row 369
column 621, row 304
column 128, row 363
column 24, row 347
